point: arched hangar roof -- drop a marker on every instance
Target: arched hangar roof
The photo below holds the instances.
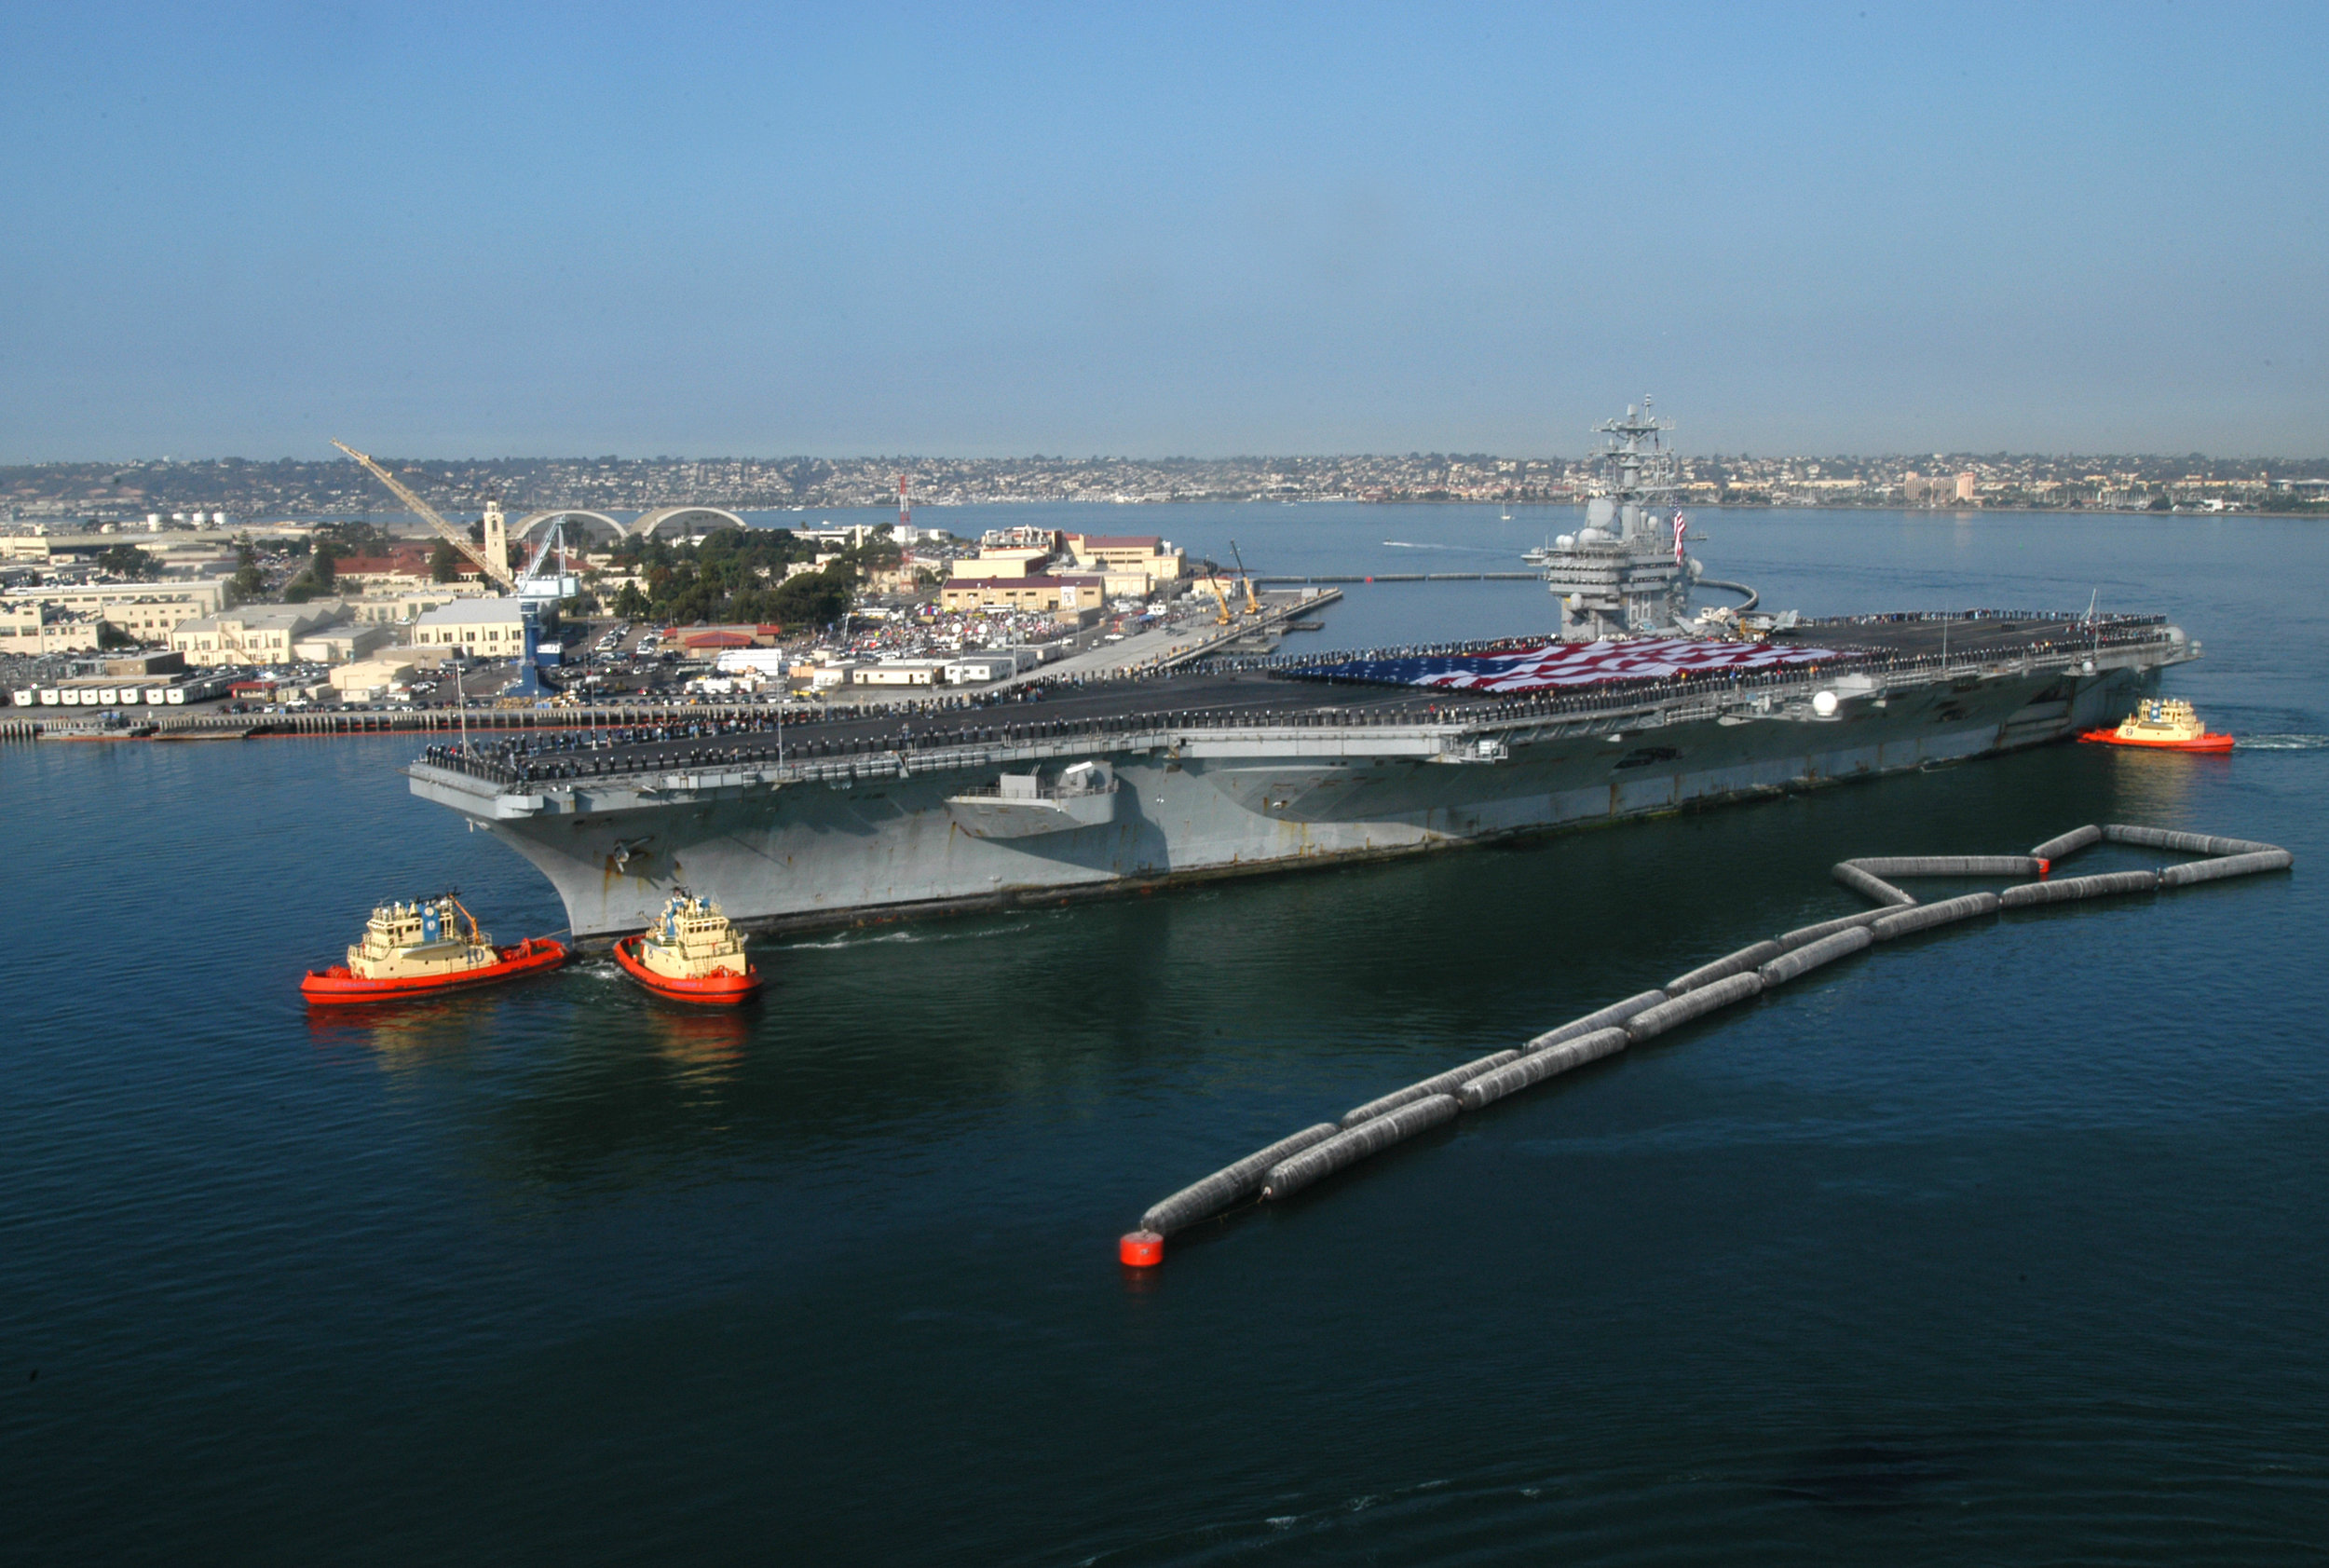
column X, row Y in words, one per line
column 683, row 522
column 582, row 527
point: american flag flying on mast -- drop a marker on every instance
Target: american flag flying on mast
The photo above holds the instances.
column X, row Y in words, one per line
column 1681, row 525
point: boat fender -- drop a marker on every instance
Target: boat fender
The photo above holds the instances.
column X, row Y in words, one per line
column 1948, row 911
column 1948, row 866
column 2229, row 866
column 1616, row 1013
column 1370, row 1136
column 2066, row 845
column 2107, row 884
column 1538, row 1066
column 1811, row 954
column 2189, row 843
column 1440, row 1083
column 1868, row 886
column 1229, row 1184
column 1723, row 968
column 1706, row 998
column 1803, row 936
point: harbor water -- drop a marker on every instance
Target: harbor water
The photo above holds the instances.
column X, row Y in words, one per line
column 1999, row 1245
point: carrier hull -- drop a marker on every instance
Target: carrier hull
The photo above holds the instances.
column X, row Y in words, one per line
column 822, row 843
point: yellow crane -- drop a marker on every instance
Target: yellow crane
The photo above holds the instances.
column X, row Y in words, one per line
column 1253, row 605
column 494, row 560
column 1213, row 582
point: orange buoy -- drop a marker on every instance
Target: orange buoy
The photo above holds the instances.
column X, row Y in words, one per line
column 2045, row 867
column 1141, row 1249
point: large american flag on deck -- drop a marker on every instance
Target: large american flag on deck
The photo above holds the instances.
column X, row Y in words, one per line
column 1548, row 666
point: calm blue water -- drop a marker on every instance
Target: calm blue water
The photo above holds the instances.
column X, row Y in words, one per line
column 2001, row 1246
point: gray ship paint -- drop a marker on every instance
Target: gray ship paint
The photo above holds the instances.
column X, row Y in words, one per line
column 820, row 842
column 1273, row 782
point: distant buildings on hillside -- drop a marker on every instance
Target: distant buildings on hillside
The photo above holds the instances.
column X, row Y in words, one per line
column 149, row 498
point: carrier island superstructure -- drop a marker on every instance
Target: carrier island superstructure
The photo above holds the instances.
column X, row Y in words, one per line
column 1270, row 765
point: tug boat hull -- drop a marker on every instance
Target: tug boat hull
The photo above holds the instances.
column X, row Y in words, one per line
column 721, row 988
column 2113, row 737
column 2160, row 724
column 338, row 986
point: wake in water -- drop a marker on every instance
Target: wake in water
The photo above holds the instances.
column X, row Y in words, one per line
column 1460, row 548
column 850, row 939
column 2281, row 743
column 854, row 941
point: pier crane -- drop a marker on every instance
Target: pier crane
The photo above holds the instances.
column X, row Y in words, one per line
column 1212, row 580
column 1253, row 605
column 493, row 560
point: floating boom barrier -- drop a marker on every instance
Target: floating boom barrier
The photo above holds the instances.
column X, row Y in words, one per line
column 1310, row 1156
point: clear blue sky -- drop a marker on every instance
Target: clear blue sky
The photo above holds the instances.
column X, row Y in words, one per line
column 482, row 230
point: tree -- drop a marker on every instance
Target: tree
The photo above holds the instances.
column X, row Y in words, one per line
column 444, row 563
column 316, row 581
column 353, row 539
column 813, row 598
column 127, row 560
column 632, row 605
column 246, row 585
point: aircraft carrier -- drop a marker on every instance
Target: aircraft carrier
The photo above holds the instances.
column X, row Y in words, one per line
column 1266, row 765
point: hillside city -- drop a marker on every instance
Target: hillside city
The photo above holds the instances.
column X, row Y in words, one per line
column 261, row 491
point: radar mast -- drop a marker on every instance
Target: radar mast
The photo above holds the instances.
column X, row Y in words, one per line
column 1623, row 573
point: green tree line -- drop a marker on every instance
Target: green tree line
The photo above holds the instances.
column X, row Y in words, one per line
column 738, row 575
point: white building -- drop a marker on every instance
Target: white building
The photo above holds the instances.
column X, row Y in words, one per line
column 254, row 635
column 342, row 643
column 410, row 604
column 487, row 628
column 148, row 611
column 32, row 627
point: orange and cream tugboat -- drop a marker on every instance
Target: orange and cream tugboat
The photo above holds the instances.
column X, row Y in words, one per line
column 690, row 954
column 2162, row 724
column 418, row 949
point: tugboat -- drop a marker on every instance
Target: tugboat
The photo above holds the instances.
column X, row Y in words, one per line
column 2162, row 724
column 416, row 949
column 690, row 954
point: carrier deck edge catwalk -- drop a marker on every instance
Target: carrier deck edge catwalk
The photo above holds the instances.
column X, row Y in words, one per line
column 1212, row 773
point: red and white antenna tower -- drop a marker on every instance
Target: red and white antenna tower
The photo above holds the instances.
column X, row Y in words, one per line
column 905, row 513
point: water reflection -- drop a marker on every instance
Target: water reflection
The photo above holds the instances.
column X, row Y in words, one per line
column 2157, row 787
column 1258, row 999
column 408, row 1036
column 706, row 1047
